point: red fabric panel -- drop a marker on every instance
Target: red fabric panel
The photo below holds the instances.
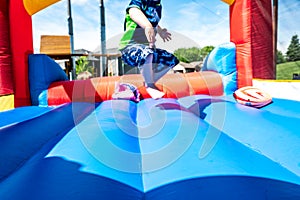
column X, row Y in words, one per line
column 207, row 82
column 63, row 92
column 174, row 85
column 101, row 89
column 240, row 34
column 251, row 31
column 21, row 47
column 262, row 40
column 6, row 80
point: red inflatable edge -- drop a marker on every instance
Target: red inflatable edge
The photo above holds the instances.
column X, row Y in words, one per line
column 21, row 45
column 101, row 88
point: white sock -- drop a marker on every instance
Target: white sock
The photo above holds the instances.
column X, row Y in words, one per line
column 155, row 94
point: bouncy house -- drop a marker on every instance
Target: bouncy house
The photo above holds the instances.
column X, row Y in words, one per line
column 250, row 33
column 73, row 140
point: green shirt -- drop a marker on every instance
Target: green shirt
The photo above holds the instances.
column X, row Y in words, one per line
column 133, row 32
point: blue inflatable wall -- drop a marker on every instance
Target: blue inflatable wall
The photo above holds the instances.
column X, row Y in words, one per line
column 42, row 71
column 222, row 59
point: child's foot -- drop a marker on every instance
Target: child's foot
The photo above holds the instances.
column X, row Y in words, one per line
column 155, row 94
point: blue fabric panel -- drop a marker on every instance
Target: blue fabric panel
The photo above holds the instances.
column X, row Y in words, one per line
column 21, row 114
column 284, row 107
column 20, row 141
column 74, row 167
column 43, row 98
column 57, row 177
column 42, row 71
column 195, row 147
column 223, row 155
column 273, row 135
column 230, row 83
column 226, row 187
column 222, row 59
column 107, row 143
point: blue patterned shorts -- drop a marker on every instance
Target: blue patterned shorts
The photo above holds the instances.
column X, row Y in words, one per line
column 135, row 55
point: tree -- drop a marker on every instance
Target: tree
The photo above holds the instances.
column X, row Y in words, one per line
column 188, row 55
column 206, row 50
column 293, row 52
column 280, row 57
column 181, row 55
column 82, row 64
column 192, row 54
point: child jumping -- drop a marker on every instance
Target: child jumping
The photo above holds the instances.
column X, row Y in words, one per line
column 138, row 43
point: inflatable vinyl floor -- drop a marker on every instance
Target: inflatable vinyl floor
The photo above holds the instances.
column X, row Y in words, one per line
column 196, row 147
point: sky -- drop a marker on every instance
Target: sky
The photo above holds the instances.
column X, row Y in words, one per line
column 192, row 22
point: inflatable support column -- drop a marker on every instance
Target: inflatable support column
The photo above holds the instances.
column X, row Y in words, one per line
column 251, row 31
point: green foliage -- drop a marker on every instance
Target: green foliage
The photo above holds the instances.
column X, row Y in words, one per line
column 181, row 55
column 82, row 64
column 293, row 52
column 206, row 50
column 192, row 54
column 285, row 71
column 188, row 55
column 280, row 57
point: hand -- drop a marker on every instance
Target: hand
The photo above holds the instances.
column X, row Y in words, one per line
column 150, row 34
column 164, row 34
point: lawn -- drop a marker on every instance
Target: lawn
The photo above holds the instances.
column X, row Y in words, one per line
column 285, row 71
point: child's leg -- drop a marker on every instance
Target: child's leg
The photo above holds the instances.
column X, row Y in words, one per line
column 165, row 61
column 158, row 75
column 148, row 74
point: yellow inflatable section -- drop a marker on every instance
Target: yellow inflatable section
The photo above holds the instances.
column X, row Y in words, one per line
column 34, row 6
column 6, row 102
column 230, row 2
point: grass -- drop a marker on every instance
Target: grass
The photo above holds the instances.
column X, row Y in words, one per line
column 285, row 71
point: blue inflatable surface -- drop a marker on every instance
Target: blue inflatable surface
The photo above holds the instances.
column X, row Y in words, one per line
column 42, row 71
column 222, row 59
column 26, row 130
column 197, row 147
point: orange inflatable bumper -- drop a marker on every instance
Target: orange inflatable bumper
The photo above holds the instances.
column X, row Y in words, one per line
column 101, row 88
